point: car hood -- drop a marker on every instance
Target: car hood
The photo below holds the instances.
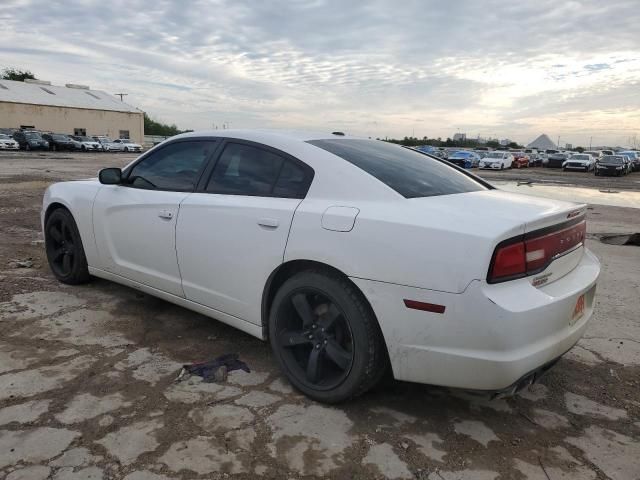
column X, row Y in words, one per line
column 575, row 160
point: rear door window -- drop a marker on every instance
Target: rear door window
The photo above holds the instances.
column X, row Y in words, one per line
column 406, row 171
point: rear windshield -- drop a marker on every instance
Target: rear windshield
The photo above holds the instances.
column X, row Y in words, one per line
column 408, row 172
column 612, row 159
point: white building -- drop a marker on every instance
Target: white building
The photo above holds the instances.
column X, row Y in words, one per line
column 72, row 110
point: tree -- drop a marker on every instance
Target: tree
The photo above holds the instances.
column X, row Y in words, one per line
column 11, row 73
column 153, row 127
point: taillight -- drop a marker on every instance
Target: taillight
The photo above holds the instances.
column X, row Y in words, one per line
column 533, row 252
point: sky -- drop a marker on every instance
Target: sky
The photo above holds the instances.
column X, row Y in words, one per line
column 505, row 69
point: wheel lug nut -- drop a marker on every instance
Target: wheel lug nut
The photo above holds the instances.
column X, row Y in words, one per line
column 310, row 337
column 325, row 342
column 318, row 345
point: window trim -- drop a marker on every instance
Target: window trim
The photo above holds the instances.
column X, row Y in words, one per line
column 127, row 171
column 208, row 173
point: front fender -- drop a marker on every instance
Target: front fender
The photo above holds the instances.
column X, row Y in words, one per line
column 77, row 197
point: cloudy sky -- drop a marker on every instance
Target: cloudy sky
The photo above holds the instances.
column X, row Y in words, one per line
column 380, row 68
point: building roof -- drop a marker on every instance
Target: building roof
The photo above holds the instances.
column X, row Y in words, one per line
column 543, row 142
column 73, row 96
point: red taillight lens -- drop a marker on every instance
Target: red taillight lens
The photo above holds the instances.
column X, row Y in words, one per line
column 508, row 262
column 533, row 252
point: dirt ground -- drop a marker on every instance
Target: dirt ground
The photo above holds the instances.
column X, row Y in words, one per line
column 87, row 374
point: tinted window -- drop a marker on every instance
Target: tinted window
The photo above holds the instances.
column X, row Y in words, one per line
column 174, row 167
column 245, row 170
column 409, row 173
column 293, row 181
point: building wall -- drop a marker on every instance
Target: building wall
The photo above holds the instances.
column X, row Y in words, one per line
column 65, row 120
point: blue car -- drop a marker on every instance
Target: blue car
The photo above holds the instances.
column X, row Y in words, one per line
column 465, row 159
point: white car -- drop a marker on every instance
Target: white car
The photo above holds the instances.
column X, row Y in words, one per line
column 8, row 143
column 109, row 145
column 579, row 161
column 497, row 160
column 128, row 145
column 349, row 255
column 87, row 144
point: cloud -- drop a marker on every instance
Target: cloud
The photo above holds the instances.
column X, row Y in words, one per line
column 377, row 68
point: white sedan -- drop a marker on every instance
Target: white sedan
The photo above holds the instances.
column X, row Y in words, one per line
column 579, row 161
column 349, row 255
column 8, row 143
column 497, row 160
column 126, row 145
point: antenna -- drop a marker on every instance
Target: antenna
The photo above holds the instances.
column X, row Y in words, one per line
column 121, row 95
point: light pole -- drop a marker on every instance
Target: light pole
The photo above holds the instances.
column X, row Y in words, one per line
column 590, row 141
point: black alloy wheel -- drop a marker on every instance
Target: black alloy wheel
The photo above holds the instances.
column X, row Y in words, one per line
column 325, row 336
column 65, row 252
column 316, row 340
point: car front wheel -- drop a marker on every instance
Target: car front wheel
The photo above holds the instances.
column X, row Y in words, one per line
column 63, row 245
column 325, row 337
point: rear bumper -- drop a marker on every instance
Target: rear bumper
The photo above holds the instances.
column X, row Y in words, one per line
column 490, row 337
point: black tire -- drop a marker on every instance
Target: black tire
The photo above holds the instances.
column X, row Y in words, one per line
column 27, row 147
column 83, row 148
column 63, row 245
column 54, row 148
column 340, row 332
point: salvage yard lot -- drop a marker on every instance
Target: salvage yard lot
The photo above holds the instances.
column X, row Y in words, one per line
column 87, row 378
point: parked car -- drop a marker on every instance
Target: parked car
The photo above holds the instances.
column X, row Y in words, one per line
column 556, row 160
column 596, row 154
column 8, row 143
column 128, row 145
column 628, row 162
column 635, row 158
column 534, row 157
column 58, row 141
column 465, row 159
column 611, row 165
column 30, row 140
column 608, row 152
column 351, row 282
column 108, row 145
column 497, row 160
column 579, row 161
column 520, row 160
column 87, row 144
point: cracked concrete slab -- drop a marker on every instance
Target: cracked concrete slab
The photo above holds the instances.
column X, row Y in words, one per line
column 241, row 439
column 202, row 455
column 310, row 439
column 128, row 443
column 26, row 306
column 34, row 444
column 535, row 472
column 426, row 445
column 80, row 327
column 387, row 462
column 257, row 399
column 146, row 475
column 149, row 366
column 15, row 358
column 195, row 390
column 581, row 405
column 613, row 453
column 32, row 382
column 244, row 379
column 622, row 351
column 89, row 473
column 76, row 457
column 33, row 472
column 281, row 385
column 24, row 412
column 534, row 393
column 476, row 430
column 221, row 417
column 397, row 419
column 86, row 406
column 550, row 420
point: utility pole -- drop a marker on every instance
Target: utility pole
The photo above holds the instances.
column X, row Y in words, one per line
column 121, row 95
column 558, row 144
column 590, row 140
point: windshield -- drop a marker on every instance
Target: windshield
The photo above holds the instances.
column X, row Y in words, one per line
column 85, row 139
column 580, row 157
column 461, row 154
column 495, row 155
column 60, row 137
column 32, row 135
column 406, row 171
column 4, row 137
column 612, row 159
column 125, row 140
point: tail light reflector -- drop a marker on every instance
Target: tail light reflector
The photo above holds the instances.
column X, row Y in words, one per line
column 531, row 253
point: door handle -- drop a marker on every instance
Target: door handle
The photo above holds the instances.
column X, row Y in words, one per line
column 166, row 214
column 269, row 222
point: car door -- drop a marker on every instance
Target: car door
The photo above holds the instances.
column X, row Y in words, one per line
column 134, row 222
column 232, row 232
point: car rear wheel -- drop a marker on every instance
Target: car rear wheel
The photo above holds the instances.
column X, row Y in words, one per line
column 325, row 337
column 63, row 245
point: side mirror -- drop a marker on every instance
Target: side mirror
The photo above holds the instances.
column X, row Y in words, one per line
column 110, row 176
